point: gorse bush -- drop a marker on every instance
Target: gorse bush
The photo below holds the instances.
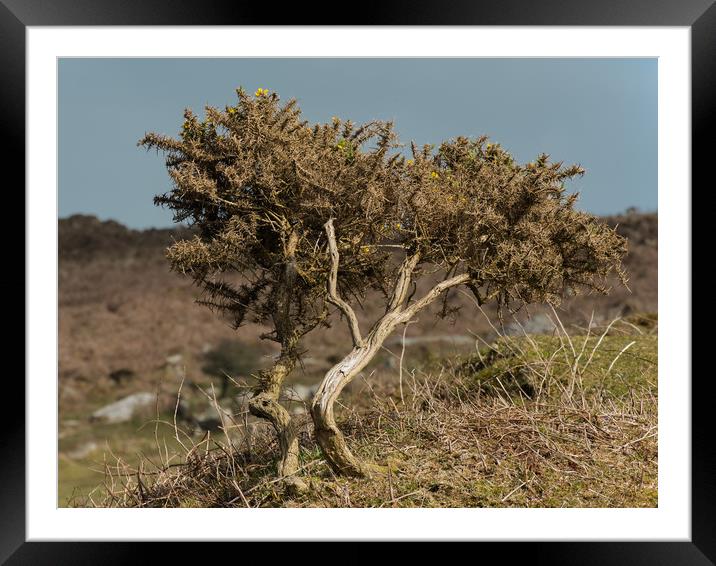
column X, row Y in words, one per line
column 314, row 216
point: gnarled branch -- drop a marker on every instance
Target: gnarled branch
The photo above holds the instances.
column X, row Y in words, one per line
column 402, row 284
column 411, row 310
column 333, row 296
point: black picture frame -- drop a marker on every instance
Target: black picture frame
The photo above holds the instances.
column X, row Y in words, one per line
column 699, row 15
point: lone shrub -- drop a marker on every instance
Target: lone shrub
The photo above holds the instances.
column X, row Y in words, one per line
column 310, row 216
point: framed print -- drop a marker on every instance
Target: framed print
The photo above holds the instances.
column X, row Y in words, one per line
column 392, row 279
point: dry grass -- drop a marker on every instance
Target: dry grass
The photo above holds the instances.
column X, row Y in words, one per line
column 578, row 439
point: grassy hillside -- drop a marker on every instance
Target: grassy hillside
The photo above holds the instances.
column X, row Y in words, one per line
column 530, row 421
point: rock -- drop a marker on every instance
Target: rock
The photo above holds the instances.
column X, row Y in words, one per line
column 450, row 338
column 174, row 360
column 83, row 450
column 537, row 324
column 123, row 410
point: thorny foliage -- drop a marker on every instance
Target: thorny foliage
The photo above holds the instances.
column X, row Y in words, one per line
column 259, row 183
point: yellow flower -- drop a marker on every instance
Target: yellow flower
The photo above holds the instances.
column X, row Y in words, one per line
column 261, row 92
column 231, row 110
column 409, row 161
column 434, row 175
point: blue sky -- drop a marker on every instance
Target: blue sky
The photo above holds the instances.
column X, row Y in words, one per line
column 601, row 113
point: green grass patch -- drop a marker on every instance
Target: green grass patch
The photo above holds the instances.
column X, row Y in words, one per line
column 615, row 365
column 532, row 421
column 133, row 442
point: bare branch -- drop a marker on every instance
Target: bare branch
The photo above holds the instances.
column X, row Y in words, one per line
column 333, row 296
column 402, row 284
column 431, row 295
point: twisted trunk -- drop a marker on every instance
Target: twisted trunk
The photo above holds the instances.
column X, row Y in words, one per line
column 329, row 437
column 399, row 310
column 265, row 404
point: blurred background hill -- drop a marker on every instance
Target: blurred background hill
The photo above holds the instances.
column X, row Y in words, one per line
column 122, row 310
